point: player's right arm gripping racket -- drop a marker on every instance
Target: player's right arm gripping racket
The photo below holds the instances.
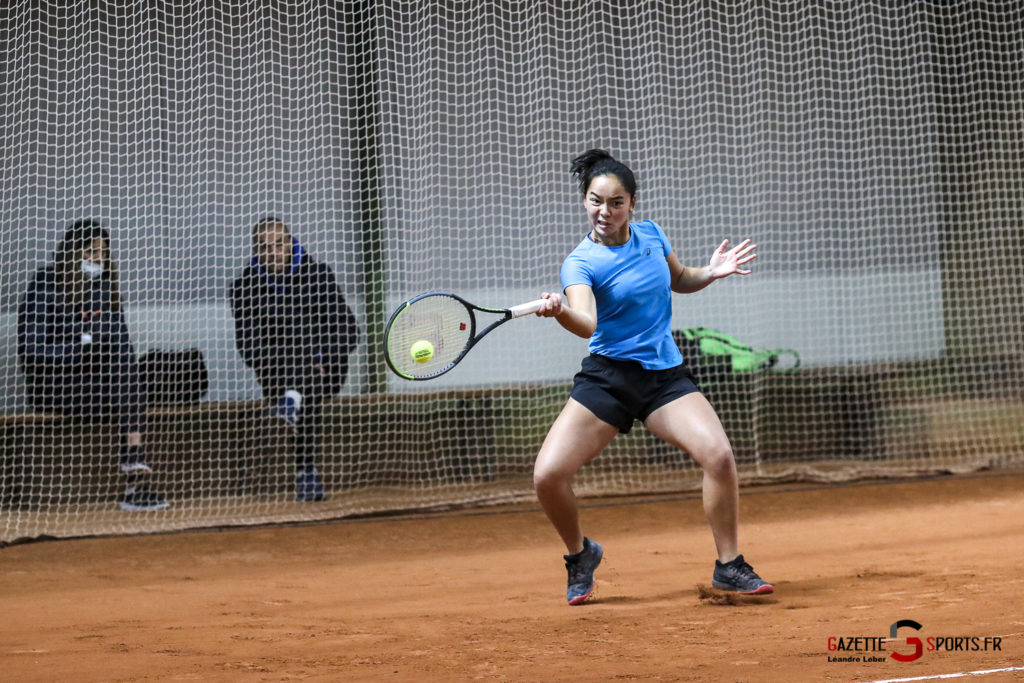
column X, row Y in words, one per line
column 446, row 321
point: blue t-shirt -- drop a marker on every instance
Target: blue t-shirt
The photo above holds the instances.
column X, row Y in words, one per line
column 633, row 290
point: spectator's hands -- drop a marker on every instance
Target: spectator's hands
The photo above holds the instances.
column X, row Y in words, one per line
column 91, row 328
column 552, row 305
column 78, row 338
column 724, row 263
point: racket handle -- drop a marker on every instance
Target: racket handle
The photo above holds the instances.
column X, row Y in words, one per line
column 527, row 308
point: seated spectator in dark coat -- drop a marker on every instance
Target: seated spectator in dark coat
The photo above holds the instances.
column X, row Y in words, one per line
column 74, row 350
column 294, row 329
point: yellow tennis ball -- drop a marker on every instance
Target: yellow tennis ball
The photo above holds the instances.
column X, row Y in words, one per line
column 422, row 351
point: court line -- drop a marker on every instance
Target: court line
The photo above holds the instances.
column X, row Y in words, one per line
column 962, row 674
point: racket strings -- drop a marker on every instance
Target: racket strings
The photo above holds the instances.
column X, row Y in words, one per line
column 441, row 320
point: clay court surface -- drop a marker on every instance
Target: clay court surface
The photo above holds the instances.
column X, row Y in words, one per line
column 479, row 595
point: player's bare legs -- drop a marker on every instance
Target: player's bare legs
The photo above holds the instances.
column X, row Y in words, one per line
column 691, row 424
column 575, row 438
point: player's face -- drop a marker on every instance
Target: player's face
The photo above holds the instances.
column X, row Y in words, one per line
column 274, row 248
column 608, row 206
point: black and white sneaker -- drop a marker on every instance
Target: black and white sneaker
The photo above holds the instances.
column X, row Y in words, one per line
column 140, row 499
column 740, row 577
column 133, row 461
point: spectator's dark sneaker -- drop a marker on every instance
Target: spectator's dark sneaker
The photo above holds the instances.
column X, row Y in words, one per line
column 288, row 408
column 739, row 576
column 581, row 568
column 309, row 487
column 133, row 461
column 140, row 498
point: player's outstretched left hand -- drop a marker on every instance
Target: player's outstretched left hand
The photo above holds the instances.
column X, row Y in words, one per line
column 725, row 263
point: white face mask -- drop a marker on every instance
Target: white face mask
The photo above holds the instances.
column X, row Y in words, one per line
column 92, row 270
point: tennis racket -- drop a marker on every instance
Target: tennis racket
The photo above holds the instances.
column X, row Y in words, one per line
column 446, row 322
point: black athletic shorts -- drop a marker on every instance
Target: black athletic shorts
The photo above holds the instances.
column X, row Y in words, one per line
column 621, row 391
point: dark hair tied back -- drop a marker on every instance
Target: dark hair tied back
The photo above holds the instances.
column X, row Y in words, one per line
column 598, row 162
column 81, row 233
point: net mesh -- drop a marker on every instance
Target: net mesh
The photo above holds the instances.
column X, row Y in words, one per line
column 872, row 149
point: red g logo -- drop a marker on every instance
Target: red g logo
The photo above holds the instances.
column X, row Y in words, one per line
column 916, row 642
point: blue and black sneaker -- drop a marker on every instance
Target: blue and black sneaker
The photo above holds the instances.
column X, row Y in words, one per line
column 581, row 568
column 309, row 487
column 736, row 575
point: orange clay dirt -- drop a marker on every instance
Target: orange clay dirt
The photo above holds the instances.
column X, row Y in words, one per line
column 479, row 595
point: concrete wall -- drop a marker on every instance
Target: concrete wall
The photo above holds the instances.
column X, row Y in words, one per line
column 848, row 318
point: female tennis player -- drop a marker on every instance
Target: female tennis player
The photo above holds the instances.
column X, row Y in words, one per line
column 618, row 284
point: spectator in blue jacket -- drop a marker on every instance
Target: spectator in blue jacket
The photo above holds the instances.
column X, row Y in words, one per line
column 74, row 350
column 295, row 330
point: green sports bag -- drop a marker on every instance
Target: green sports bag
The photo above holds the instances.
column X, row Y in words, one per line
column 743, row 358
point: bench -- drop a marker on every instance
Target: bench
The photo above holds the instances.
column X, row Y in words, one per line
column 212, row 449
column 878, row 411
column 49, row 458
column 872, row 411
